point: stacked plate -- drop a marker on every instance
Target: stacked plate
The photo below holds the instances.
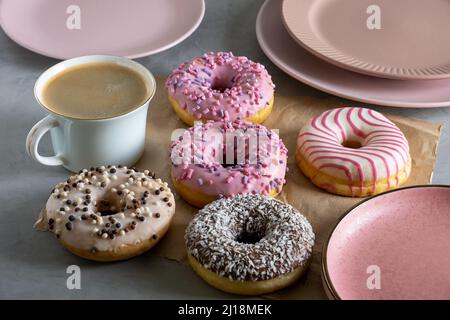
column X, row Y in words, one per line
column 394, row 53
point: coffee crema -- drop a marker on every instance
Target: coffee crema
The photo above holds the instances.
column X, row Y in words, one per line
column 95, row 91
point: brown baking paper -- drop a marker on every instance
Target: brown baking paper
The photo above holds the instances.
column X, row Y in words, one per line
column 321, row 208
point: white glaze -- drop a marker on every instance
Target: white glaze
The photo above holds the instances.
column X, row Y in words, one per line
column 84, row 232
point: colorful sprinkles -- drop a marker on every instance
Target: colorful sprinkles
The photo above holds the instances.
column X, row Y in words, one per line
column 221, row 86
column 196, row 160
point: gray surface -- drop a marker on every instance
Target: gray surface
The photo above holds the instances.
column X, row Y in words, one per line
column 33, row 264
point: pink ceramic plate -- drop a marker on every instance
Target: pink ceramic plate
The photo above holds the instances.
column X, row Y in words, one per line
column 401, row 39
column 116, row 27
column 392, row 246
column 302, row 65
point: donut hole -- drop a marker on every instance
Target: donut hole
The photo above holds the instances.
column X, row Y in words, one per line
column 109, row 206
column 249, row 237
column 220, row 86
column 224, row 82
column 236, row 154
column 352, row 144
column 252, row 230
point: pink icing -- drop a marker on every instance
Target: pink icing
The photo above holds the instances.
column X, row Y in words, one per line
column 384, row 149
column 199, row 153
column 221, row 86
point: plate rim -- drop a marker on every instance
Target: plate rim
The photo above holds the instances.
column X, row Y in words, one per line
column 326, row 279
column 141, row 54
column 340, row 59
column 325, row 87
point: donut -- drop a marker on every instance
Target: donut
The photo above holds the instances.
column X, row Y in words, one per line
column 223, row 159
column 221, row 86
column 249, row 244
column 353, row 152
column 109, row 213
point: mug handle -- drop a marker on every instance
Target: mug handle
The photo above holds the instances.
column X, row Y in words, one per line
column 34, row 137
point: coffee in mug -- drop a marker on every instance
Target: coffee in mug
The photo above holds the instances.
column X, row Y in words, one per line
column 97, row 112
column 95, row 91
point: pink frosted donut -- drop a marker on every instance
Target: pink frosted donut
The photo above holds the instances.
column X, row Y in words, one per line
column 221, row 86
column 223, row 159
column 353, row 152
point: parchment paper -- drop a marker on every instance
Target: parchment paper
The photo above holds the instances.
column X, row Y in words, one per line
column 321, row 208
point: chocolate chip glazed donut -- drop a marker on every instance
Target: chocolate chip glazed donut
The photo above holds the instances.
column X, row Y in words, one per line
column 109, row 213
column 249, row 244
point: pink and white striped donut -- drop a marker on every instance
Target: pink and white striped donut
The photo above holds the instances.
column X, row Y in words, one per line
column 353, row 152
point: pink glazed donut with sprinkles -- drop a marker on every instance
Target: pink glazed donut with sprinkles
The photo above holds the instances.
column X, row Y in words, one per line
column 353, row 152
column 219, row 159
column 221, row 86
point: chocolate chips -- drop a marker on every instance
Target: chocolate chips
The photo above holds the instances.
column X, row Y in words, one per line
column 112, row 170
column 165, row 199
column 68, row 202
column 51, row 223
column 141, row 218
column 88, row 191
column 84, row 217
column 157, row 215
column 71, row 218
column 68, row 226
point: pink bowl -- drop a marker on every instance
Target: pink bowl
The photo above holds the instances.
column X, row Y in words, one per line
column 395, row 245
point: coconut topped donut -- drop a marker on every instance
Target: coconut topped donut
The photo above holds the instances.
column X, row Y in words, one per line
column 249, row 238
column 223, row 159
column 109, row 213
column 221, row 86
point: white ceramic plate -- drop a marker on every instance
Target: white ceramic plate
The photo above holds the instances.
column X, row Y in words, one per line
column 305, row 67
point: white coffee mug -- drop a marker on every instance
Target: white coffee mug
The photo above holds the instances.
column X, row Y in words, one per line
column 82, row 144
